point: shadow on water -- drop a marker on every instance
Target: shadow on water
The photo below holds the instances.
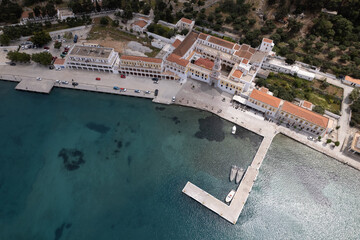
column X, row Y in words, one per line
column 211, row 128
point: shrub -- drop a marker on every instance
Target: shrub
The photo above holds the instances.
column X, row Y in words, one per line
column 328, row 141
column 337, row 143
column 319, row 109
column 104, row 21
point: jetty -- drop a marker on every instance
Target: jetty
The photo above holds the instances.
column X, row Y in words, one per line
column 232, row 212
column 33, row 85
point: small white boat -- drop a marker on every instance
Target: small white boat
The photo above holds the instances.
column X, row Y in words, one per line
column 230, row 196
column 233, row 171
column 233, row 131
column 239, row 175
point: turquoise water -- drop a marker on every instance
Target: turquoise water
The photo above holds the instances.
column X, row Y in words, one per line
column 82, row 165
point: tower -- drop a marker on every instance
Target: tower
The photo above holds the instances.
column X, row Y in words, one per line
column 215, row 73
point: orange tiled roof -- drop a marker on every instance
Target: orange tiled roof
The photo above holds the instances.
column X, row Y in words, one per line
column 267, row 40
column 25, row 14
column 353, row 80
column 306, row 114
column 176, row 43
column 307, row 104
column 245, row 61
column 265, row 98
column 186, row 44
column 221, row 42
column 138, row 58
column 264, row 89
column 205, row 63
column 140, row 23
column 237, row 47
column 203, row 36
column 185, row 20
column 176, row 59
column 237, row 73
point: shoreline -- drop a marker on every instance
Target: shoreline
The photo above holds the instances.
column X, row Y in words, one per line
column 271, row 127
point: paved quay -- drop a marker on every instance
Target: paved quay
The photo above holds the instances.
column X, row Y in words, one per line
column 43, row 86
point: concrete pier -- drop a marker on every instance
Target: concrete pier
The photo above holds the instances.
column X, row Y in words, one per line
column 33, row 85
column 232, row 212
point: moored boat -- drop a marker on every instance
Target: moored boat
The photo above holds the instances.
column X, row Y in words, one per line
column 233, row 171
column 239, row 175
column 233, row 131
column 230, row 196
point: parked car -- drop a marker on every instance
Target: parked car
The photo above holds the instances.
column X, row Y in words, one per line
column 310, row 138
column 38, row 78
column 57, row 81
column 147, row 92
column 122, row 89
column 46, row 48
column 75, row 84
column 173, row 99
column 156, row 82
column 123, row 76
column 155, row 79
column 12, row 64
column 137, row 91
column 58, row 69
column 116, row 88
column 65, row 82
column 98, row 79
column 51, row 67
column 156, row 92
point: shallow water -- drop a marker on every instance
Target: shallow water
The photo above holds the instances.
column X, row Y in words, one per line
column 82, row 165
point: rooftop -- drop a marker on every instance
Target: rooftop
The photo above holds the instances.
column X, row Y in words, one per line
column 265, row 98
column 143, row 59
column 186, row 44
column 140, row 23
column 355, row 145
column 25, row 14
column 59, row 61
column 353, row 80
column 205, row 63
column 185, row 20
column 221, row 42
column 237, row 73
column 203, row 36
column 305, row 114
column 93, row 52
column 267, row 40
column 176, row 59
column 176, row 43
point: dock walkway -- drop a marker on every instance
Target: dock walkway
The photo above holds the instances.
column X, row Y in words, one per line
column 43, row 86
column 232, row 212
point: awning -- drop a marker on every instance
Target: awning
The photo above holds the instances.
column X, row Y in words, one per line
column 239, row 99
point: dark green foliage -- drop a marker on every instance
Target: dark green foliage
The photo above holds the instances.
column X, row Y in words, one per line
column 354, row 95
column 43, row 58
column 290, row 58
column 81, row 6
column 319, row 109
column 15, row 56
column 104, row 21
column 10, row 11
column 337, row 143
column 4, row 40
column 161, row 30
column 41, row 38
column 57, row 45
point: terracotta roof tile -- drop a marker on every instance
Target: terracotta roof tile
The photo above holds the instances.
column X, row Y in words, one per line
column 25, row 14
column 265, row 98
column 176, row 59
column 176, row 43
column 307, row 104
column 263, row 89
column 245, row 61
column 221, row 42
column 252, row 50
column 186, row 44
column 244, row 47
column 303, row 113
column 237, row 73
column 353, row 80
column 138, row 58
column 205, row 63
column 140, row 23
column 59, row 61
column 203, row 36
column 237, row 47
column 267, row 40
column 185, row 20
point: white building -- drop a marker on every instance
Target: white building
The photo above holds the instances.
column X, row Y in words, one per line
column 92, row 58
column 266, row 45
column 63, row 14
column 185, row 23
column 278, row 66
column 141, row 24
column 351, row 81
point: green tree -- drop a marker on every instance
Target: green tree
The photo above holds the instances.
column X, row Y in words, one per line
column 50, row 9
column 57, row 45
column 37, row 11
column 328, row 141
column 43, row 58
column 97, row 6
column 319, row 109
column 4, row 40
column 104, row 21
column 354, row 95
column 16, row 56
column 115, row 23
column 290, row 58
column 337, row 143
column 41, row 38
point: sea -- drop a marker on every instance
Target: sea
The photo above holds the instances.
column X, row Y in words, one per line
column 84, row 165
